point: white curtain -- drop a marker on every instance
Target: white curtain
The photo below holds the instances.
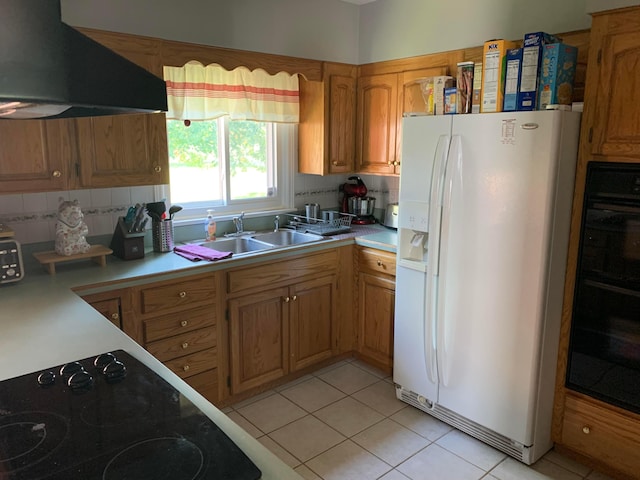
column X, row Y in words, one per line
column 198, row 92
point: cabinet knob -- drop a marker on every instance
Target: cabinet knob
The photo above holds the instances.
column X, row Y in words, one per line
column 182, row 294
column 184, row 323
column 185, row 345
column 380, row 264
column 186, row 368
column 295, row 297
column 56, row 174
column 396, row 163
column 115, row 316
column 157, row 169
column 389, row 162
column 586, row 430
column 287, row 299
column 335, row 163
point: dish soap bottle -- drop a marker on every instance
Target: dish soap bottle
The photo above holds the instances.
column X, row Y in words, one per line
column 209, row 227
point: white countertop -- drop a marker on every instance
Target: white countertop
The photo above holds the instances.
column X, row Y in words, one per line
column 44, row 323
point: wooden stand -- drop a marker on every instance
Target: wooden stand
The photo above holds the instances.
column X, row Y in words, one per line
column 49, row 259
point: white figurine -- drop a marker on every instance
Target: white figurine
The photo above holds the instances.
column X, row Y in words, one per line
column 71, row 229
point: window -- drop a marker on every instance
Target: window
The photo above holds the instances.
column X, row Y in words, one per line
column 230, row 165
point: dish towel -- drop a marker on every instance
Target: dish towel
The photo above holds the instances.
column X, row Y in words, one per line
column 195, row 253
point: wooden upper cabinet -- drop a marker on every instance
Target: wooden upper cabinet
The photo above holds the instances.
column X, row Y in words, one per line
column 35, row 155
column 327, row 121
column 377, row 120
column 612, row 91
column 123, row 150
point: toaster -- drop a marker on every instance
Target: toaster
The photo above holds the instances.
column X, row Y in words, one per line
column 391, row 216
column 11, row 266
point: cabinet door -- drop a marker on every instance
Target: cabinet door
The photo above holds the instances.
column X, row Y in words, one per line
column 110, row 308
column 342, row 123
column 614, row 66
column 377, row 123
column 312, row 319
column 377, row 299
column 259, row 338
column 123, row 150
column 35, row 155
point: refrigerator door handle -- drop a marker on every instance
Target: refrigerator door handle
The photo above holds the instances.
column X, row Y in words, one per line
column 446, row 327
column 435, row 218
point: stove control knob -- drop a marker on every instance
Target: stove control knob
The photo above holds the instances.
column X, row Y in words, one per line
column 115, row 371
column 103, row 360
column 46, row 379
column 80, row 381
column 69, row 369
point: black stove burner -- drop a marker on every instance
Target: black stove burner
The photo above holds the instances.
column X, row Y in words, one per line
column 126, row 423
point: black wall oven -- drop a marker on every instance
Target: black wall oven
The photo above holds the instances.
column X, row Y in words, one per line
column 604, row 350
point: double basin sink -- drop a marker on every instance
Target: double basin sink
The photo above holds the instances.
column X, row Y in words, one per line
column 257, row 242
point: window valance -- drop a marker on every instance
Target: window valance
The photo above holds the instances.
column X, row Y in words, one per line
column 198, row 92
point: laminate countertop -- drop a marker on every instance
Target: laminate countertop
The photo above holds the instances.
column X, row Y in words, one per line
column 44, row 323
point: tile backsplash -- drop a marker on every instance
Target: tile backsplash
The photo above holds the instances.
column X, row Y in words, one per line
column 33, row 216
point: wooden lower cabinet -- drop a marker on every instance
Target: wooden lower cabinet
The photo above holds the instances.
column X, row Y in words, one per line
column 376, row 306
column 602, row 434
column 279, row 331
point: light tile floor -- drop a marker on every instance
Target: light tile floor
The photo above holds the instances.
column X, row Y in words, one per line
column 344, row 423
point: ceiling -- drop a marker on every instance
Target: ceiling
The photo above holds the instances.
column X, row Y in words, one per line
column 359, row 2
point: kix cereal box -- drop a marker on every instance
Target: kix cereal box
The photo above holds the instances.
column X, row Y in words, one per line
column 493, row 74
column 512, row 79
column 557, row 73
column 532, row 45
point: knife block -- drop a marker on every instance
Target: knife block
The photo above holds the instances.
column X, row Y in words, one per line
column 127, row 245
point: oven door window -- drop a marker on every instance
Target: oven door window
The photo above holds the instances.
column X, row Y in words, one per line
column 604, row 359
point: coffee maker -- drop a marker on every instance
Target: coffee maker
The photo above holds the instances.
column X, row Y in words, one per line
column 356, row 202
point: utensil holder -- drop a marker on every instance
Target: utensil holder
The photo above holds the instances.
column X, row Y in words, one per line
column 162, row 236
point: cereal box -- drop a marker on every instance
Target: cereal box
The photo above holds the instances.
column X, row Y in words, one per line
column 464, row 84
column 557, row 72
column 450, row 102
column 512, row 79
column 493, row 72
column 532, row 45
column 439, row 84
column 477, row 88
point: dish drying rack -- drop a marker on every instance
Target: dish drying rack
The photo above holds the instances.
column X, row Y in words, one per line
column 340, row 223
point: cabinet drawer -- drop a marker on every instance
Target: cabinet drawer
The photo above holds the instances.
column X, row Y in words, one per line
column 206, row 384
column 266, row 276
column 177, row 295
column 178, row 323
column 602, row 434
column 184, row 344
column 377, row 261
column 193, row 364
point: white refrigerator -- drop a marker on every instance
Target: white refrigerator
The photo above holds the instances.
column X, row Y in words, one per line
column 484, row 212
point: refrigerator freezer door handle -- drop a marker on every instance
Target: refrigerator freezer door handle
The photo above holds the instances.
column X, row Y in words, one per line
column 444, row 328
column 435, row 217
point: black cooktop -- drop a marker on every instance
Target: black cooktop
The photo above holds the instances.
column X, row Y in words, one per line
column 110, row 417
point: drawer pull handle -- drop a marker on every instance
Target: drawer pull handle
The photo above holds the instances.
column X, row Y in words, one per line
column 182, row 294
column 56, row 174
column 185, row 345
column 287, row 299
column 586, row 430
column 186, row 368
column 115, row 316
column 295, row 297
column 157, row 169
column 380, row 264
column 184, row 323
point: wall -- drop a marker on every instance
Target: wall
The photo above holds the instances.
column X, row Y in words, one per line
column 392, row 29
column 317, row 29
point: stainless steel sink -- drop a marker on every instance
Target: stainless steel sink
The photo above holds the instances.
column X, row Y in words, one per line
column 237, row 245
column 287, row 237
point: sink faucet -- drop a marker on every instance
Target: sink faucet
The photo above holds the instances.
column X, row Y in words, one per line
column 239, row 223
column 276, row 222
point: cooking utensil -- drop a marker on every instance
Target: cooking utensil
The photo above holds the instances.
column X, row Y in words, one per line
column 156, row 209
column 173, row 210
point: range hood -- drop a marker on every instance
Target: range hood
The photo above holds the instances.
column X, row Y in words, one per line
column 50, row 70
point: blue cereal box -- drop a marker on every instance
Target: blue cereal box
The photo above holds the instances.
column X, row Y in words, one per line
column 532, row 46
column 557, row 72
column 450, row 101
column 512, row 79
